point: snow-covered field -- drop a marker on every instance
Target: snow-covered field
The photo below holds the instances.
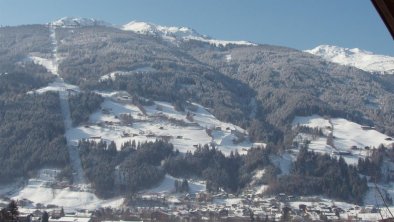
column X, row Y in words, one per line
column 42, row 189
column 348, row 137
column 161, row 121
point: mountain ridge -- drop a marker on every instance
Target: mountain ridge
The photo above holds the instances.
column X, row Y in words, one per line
column 359, row 58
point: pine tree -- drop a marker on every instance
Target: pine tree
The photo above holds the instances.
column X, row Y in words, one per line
column 185, row 186
column 13, row 209
column 45, row 217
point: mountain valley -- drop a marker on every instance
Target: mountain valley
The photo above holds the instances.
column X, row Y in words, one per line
column 94, row 115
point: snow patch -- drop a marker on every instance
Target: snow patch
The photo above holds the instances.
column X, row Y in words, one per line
column 57, row 86
column 50, row 64
column 74, row 22
column 284, row 162
column 228, row 58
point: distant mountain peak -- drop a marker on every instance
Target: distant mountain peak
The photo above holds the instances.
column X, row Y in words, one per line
column 73, row 22
column 171, row 33
column 150, row 28
column 362, row 59
column 175, row 34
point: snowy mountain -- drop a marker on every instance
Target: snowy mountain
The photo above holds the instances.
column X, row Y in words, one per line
column 72, row 22
column 175, row 34
column 358, row 58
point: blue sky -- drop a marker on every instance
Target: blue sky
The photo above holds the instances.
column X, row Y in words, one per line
column 300, row 24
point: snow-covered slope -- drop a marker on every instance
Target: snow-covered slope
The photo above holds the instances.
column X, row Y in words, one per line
column 358, row 58
column 174, row 34
column 349, row 138
column 157, row 121
column 72, row 22
column 43, row 189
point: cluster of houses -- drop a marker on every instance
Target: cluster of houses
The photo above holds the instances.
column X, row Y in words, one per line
column 211, row 207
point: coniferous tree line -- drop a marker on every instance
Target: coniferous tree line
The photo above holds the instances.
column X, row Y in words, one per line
column 377, row 164
column 10, row 213
column 144, row 165
column 315, row 174
column 31, row 125
column 31, row 134
column 138, row 164
column 181, row 186
column 82, row 105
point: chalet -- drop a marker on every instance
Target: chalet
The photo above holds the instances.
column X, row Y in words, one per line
column 126, row 134
column 367, row 127
column 203, row 197
column 25, row 218
column 95, row 137
column 354, row 147
column 105, row 111
column 160, row 216
column 341, row 153
column 165, row 137
column 70, row 219
column 302, row 207
column 281, row 197
column 370, row 209
column 72, row 92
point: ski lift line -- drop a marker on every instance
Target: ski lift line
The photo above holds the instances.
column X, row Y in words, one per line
column 384, row 201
